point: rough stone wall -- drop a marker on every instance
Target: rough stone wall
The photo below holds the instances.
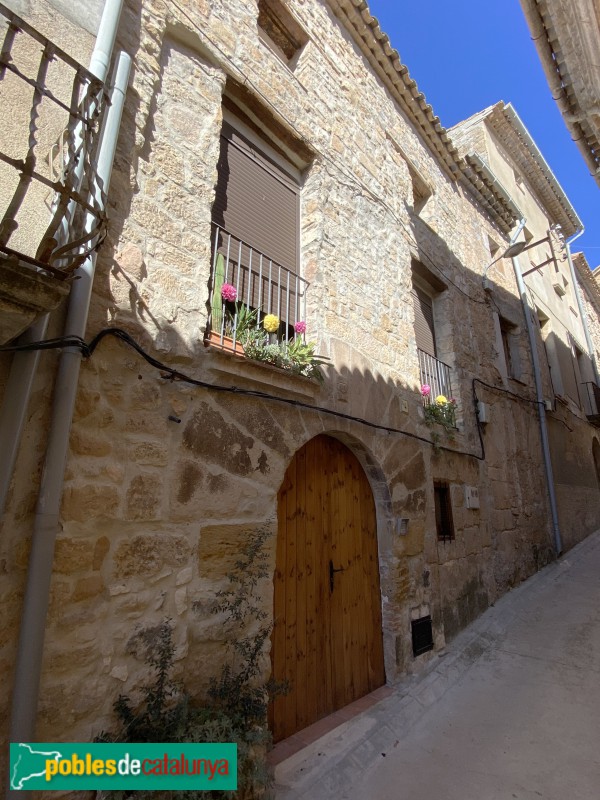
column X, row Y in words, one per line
column 164, row 479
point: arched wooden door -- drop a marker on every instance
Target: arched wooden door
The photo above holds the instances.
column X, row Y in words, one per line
column 326, row 640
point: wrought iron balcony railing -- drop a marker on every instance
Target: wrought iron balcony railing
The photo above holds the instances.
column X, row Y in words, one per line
column 52, row 110
column 435, row 374
column 256, row 286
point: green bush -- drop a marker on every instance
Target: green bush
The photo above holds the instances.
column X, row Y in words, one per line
column 235, row 709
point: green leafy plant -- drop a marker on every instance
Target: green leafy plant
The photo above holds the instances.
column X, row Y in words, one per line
column 441, row 412
column 235, row 709
column 295, row 356
column 241, row 322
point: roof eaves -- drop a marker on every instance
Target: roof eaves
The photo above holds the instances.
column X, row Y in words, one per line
column 376, row 46
column 513, row 133
column 586, row 278
column 547, row 44
column 494, row 196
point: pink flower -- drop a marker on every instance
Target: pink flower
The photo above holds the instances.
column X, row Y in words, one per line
column 228, row 292
column 425, row 390
column 300, row 327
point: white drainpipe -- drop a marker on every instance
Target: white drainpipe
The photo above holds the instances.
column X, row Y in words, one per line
column 35, row 604
column 13, row 412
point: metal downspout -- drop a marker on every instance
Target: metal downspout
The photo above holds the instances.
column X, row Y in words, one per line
column 540, row 404
column 581, row 307
column 35, row 605
column 24, row 365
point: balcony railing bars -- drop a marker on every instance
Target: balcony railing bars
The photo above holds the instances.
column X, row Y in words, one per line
column 63, row 245
column 590, row 396
column 261, row 284
column 436, row 375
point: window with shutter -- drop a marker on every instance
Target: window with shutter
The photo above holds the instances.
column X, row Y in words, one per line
column 256, row 200
column 256, row 218
column 424, row 325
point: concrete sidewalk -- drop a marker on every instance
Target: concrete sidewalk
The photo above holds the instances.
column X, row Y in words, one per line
column 512, row 710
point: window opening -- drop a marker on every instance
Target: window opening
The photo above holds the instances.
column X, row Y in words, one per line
column 434, row 374
column 422, row 635
column 443, row 512
column 510, row 349
column 280, row 31
column 596, row 457
column 255, row 238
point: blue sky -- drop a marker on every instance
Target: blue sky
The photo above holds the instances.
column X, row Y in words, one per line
column 469, row 54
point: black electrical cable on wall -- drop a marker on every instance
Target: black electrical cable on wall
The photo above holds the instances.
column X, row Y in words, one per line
column 175, row 375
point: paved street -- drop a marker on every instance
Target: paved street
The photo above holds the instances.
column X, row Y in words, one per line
column 512, row 710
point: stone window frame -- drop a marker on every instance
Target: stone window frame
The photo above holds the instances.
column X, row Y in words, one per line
column 444, row 521
column 281, row 32
column 508, row 347
column 428, row 283
column 421, row 190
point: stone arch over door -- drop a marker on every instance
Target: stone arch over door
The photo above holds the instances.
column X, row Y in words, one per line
column 327, row 635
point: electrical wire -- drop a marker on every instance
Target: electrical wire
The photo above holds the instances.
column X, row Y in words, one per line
column 172, row 374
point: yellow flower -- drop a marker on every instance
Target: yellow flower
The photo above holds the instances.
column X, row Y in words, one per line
column 271, row 323
column 440, row 400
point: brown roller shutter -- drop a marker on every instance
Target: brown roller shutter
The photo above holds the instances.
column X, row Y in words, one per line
column 256, row 201
column 424, row 329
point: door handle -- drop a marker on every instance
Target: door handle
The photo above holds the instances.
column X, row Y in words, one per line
column 332, row 572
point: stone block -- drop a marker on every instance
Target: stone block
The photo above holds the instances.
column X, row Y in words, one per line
column 89, row 501
column 211, row 438
column 219, row 548
column 143, row 499
column 147, row 554
column 152, row 453
column 86, row 443
column 101, row 549
column 73, row 555
column 86, row 588
column 86, row 403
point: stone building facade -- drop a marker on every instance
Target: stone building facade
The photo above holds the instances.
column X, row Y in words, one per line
column 167, row 479
column 566, row 36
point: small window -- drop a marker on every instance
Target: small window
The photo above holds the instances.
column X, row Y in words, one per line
column 443, row 512
column 422, row 635
column 596, row 457
column 511, row 368
column 506, row 347
column 421, row 190
column 280, row 31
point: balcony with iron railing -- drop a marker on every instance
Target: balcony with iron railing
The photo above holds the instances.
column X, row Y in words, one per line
column 258, row 307
column 51, row 199
column 436, row 389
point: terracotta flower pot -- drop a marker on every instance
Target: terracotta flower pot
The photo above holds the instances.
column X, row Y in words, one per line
column 226, row 343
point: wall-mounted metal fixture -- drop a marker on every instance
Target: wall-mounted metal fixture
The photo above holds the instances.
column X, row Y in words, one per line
column 554, row 238
column 472, row 497
column 483, row 412
column 402, row 526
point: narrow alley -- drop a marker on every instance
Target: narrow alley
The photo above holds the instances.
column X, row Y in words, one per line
column 510, row 710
